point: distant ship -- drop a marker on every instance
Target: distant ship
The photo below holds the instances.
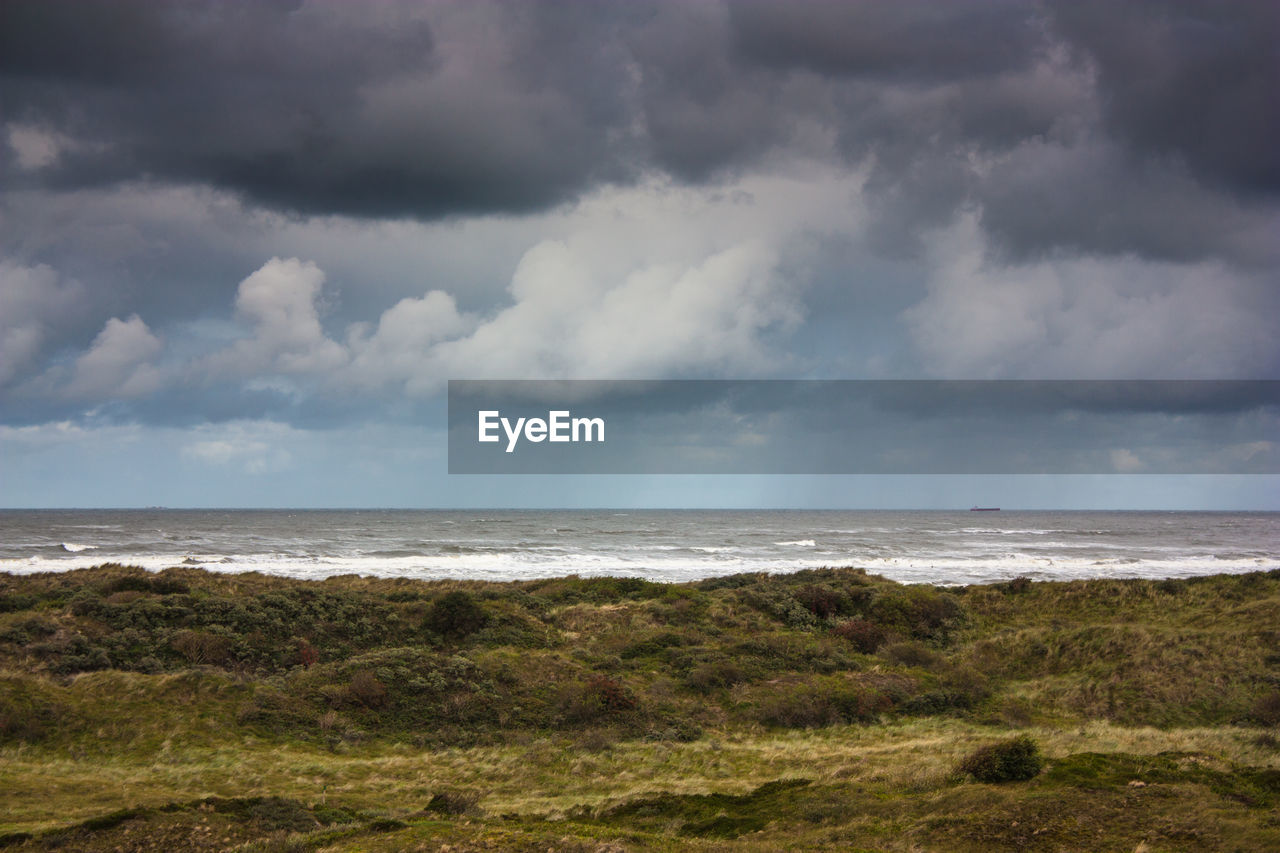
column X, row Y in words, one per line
column 984, row 509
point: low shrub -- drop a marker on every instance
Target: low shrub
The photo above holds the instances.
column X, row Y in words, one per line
column 780, row 604
column 821, row 601
column 612, row 694
column 71, row 653
column 1266, row 711
column 823, row 702
column 270, row 813
column 1012, row 760
column 367, row 690
column 27, row 718
column 16, row 602
column 597, row 697
column 910, row 654
column 1018, row 585
column 933, row 702
column 128, row 583
column 454, row 802
column 27, row 630
column 714, row 676
column 201, row 647
column 920, row 612
column 455, row 615
column 307, row 655
column 163, row 584
column 111, row 820
column 862, row 634
column 596, row 740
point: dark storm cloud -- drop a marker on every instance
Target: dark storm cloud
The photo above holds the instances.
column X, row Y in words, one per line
column 431, row 110
column 314, row 109
column 1181, row 161
column 1193, row 80
column 1099, row 128
column 1101, row 198
column 1105, row 128
column 723, row 85
column 915, row 40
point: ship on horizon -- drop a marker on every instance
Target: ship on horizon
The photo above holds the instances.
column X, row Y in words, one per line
column 984, row 509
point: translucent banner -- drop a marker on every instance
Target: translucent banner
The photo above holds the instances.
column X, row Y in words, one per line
column 864, row 427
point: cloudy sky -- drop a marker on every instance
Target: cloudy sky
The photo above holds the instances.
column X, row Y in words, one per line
column 243, row 246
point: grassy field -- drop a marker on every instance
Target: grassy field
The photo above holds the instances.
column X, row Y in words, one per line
column 824, row 709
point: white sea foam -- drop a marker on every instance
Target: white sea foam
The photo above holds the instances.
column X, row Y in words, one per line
column 662, row 546
column 662, row 567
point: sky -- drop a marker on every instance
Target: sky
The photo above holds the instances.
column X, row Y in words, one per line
column 244, row 246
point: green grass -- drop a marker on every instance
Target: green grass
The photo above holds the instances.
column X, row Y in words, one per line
column 830, row 708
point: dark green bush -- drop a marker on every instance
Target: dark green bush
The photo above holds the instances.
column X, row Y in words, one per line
column 1008, row 761
column 454, row 802
column 612, row 694
column 1018, row 585
column 729, row 582
column 86, row 602
column 72, row 653
column 779, row 603
column 714, row 676
column 821, row 601
column 26, row 717
column 133, row 583
column 1266, row 710
column 824, row 702
column 910, row 654
column 862, row 634
column 597, row 697
column 267, row 813
column 367, row 690
column 163, row 585
column 936, row 702
column 920, row 612
column 306, row 654
column 16, row 602
column 573, row 589
column 202, row 647
column 456, row 614
column 680, row 606
column 31, row 628
column 111, row 820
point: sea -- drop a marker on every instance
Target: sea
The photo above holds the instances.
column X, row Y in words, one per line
column 942, row 547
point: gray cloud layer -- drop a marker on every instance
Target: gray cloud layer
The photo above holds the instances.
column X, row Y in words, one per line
column 435, row 110
column 624, row 189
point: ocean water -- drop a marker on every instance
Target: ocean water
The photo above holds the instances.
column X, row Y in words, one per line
column 665, row 545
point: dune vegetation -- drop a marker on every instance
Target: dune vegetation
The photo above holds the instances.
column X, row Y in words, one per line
column 187, row 710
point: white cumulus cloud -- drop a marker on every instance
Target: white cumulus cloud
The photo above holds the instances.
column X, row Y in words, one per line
column 1086, row 317
column 401, row 347
column 278, row 304
column 32, row 298
column 119, row 363
column 569, row 320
